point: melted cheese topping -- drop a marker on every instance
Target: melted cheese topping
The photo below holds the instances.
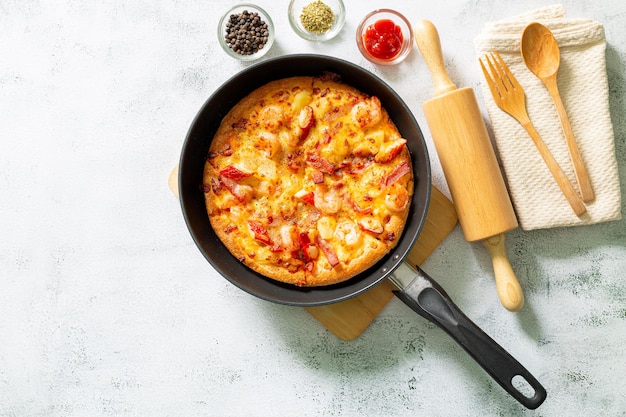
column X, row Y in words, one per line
column 308, row 181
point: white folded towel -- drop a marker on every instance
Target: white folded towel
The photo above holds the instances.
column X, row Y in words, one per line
column 583, row 85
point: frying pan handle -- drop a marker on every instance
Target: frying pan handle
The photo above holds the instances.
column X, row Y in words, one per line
column 430, row 301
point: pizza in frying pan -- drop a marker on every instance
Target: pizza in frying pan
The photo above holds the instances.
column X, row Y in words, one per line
column 308, row 181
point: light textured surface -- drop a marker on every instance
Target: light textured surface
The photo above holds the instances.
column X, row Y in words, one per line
column 108, row 309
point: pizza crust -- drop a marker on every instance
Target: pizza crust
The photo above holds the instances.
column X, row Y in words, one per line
column 308, row 181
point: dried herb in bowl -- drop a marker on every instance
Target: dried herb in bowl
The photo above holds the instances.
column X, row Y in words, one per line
column 317, row 17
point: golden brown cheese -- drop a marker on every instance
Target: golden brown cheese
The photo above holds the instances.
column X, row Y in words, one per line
column 308, row 181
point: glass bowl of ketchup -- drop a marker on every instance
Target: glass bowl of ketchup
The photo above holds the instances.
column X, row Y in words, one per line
column 384, row 37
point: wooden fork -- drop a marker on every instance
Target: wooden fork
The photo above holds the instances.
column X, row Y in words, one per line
column 509, row 96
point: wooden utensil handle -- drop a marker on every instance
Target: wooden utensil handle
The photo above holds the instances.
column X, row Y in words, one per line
column 427, row 40
column 509, row 289
column 566, row 187
column 582, row 176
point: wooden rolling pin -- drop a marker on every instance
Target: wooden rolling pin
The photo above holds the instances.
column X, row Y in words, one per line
column 470, row 166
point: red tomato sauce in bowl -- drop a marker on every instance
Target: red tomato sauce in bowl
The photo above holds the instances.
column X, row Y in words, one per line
column 383, row 39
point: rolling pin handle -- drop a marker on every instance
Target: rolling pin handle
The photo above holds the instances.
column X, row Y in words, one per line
column 509, row 289
column 427, row 40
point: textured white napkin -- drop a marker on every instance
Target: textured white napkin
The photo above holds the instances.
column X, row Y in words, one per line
column 583, row 86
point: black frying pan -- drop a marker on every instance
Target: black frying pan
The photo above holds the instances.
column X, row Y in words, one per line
column 422, row 294
column 196, row 148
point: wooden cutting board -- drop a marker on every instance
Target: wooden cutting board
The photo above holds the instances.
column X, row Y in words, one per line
column 348, row 319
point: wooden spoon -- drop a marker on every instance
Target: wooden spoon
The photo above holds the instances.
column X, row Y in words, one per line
column 541, row 55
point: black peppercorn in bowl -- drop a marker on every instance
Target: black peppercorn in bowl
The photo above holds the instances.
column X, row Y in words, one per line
column 317, row 20
column 246, row 32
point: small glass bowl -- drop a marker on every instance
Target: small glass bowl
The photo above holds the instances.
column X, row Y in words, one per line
column 235, row 10
column 295, row 10
column 398, row 19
